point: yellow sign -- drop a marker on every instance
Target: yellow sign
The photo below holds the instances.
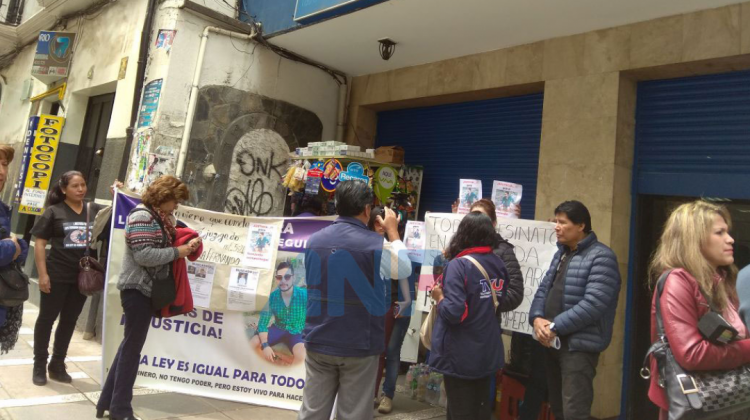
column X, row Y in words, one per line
column 41, row 163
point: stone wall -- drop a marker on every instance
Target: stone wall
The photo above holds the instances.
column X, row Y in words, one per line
column 239, row 148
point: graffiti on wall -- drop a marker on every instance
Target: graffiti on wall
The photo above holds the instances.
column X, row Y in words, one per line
column 258, row 165
column 239, row 150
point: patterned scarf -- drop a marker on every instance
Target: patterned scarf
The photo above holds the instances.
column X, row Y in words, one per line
column 166, row 220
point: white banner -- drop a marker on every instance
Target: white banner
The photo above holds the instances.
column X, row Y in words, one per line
column 215, row 352
column 535, row 245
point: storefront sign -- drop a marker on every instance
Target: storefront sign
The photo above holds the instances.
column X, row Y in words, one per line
column 53, row 53
column 385, row 181
column 331, row 172
column 26, row 156
column 308, row 11
column 355, row 170
column 41, row 163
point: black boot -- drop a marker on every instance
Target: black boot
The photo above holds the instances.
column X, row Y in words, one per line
column 57, row 371
column 39, row 377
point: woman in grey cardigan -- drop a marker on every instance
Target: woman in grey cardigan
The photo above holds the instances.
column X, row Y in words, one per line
column 149, row 233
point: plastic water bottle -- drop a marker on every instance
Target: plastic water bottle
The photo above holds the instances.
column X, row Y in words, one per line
column 443, row 397
column 422, row 386
column 414, row 384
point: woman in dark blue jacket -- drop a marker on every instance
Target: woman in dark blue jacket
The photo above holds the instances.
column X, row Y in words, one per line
column 13, row 250
column 466, row 340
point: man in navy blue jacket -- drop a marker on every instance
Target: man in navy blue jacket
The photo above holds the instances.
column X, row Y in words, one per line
column 345, row 329
column 575, row 302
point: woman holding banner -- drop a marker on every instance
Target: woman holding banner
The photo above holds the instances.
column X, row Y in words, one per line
column 466, row 340
column 397, row 319
column 63, row 226
column 149, row 234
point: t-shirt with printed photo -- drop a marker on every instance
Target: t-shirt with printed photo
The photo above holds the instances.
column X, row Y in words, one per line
column 66, row 232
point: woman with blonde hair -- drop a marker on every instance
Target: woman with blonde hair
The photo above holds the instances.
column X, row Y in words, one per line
column 697, row 251
column 149, row 234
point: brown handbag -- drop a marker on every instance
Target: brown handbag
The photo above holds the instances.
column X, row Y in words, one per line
column 91, row 274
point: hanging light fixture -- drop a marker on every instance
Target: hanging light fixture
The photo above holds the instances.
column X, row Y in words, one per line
column 387, row 48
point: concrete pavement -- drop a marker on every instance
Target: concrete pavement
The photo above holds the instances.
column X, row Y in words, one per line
column 22, row 400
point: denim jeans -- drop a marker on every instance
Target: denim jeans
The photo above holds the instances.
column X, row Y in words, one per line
column 393, row 355
column 117, row 393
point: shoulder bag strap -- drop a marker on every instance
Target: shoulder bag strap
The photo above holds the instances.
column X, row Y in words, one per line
column 486, row 276
column 88, row 229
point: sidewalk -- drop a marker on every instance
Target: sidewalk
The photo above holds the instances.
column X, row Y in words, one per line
column 22, row 400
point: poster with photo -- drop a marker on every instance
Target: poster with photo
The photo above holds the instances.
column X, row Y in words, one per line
column 243, row 283
column 201, row 277
column 507, row 199
column 414, row 236
column 261, row 240
column 470, row 191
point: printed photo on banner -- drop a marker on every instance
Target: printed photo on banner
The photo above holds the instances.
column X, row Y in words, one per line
column 507, row 198
column 243, row 285
column 201, row 277
column 470, row 192
column 259, row 249
column 276, row 332
column 414, row 240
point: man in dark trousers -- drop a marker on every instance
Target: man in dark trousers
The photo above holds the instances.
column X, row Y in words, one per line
column 576, row 303
column 345, row 329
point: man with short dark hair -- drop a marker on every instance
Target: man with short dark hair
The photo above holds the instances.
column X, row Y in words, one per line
column 575, row 308
column 345, row 330
column 287, row 306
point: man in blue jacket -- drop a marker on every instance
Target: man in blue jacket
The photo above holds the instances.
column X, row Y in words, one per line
column 575, row 302
column 346, row 304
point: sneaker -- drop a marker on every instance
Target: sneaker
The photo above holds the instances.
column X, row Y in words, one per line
column 386, row 405
column 39, row 375
column 57, row 371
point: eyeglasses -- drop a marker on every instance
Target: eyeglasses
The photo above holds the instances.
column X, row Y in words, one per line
column 286, row 276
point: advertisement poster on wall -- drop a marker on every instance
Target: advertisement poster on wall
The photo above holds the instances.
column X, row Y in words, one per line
column 28, row 144
column 150, row 103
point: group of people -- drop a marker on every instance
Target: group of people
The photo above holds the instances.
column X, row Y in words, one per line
column 358, row 299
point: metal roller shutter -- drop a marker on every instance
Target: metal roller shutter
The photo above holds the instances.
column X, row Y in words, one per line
column 693, row 136
column 496, row 139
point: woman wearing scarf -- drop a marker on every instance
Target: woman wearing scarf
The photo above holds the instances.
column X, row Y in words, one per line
column 466, row 344
column 12, row 250
column 149, row 234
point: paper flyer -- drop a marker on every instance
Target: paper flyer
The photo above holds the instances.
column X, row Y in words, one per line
column 470, row 191
column 201, row 277
column 414, row 235
column 507, row 198
column 243, row 283
column 260, row 243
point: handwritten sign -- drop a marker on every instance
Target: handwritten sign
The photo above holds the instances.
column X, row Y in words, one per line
column 535, row 245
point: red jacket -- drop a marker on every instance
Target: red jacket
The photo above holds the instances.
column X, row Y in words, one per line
column 183, row 303
column 682, row 306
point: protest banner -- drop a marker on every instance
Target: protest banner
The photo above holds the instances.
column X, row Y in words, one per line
column 535, row 245
column 211, row 351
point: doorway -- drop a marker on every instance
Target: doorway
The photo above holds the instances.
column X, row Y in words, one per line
column 93, row 140
column 651, row 214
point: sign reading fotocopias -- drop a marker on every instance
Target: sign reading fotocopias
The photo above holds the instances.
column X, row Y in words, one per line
column 41, row 163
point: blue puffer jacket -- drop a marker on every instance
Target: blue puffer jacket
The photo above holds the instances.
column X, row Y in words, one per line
column 7, row 248
column 592, row 287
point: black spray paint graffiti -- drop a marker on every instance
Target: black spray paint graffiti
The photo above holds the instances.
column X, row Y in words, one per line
column 255, row 200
